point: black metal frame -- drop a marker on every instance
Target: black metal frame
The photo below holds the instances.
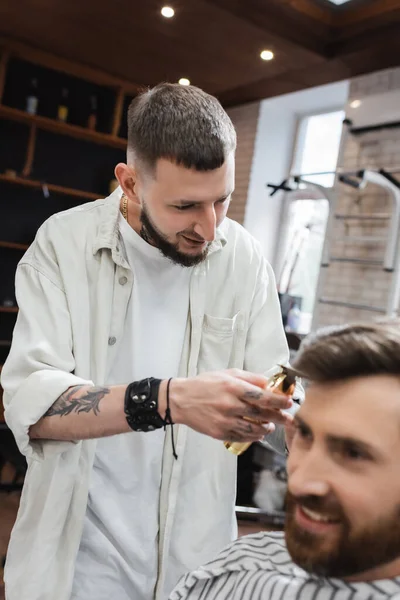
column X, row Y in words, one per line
column 350, row 178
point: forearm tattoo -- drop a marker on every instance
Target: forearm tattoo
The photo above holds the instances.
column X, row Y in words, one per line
column 69, row 402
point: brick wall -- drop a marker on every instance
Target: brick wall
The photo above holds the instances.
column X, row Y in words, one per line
column 368, row 285
column 245, row 120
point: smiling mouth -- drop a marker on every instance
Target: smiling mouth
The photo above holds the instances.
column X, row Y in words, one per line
column 318, row 517
column 198, row 242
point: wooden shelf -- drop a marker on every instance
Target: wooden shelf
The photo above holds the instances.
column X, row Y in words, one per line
column 46, row 124
column 51, row 61
column 8, row 309
column 13, row 245
column 57, row 189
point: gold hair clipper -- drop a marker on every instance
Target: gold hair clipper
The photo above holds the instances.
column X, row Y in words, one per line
column 285, row 382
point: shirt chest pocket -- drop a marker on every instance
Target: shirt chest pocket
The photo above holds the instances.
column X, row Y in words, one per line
column 219, row 338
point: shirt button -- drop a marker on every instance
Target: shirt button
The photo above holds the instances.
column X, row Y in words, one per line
column 112, row 340
column 123, row 280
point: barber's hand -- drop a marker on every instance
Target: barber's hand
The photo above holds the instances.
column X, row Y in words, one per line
column 218, row 404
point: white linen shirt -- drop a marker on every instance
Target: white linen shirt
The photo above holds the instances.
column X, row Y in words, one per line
column 73, row 286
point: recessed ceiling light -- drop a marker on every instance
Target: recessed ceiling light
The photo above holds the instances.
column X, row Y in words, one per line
column 355, row 104
column 167, row 12
column 184, row 81
column 338, row 2
column 267, row 55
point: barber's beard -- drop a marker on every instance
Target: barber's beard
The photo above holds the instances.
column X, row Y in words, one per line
column 152, row 235
column 346, row 553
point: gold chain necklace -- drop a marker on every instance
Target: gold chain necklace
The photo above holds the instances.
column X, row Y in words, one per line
column 124, row 211
column 124, row 208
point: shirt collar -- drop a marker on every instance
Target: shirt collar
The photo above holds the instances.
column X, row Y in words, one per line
column 107, row 235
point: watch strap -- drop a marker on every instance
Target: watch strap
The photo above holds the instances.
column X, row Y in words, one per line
column 141, row 405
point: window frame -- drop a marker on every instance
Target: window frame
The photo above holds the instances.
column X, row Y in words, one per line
column 300, row 138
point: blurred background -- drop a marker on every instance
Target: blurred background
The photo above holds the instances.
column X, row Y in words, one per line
column 313, row 88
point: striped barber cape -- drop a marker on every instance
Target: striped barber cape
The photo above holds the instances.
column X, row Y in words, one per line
column 258, row 567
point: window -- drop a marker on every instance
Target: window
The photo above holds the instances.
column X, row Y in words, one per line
column 302, row 254
column 317, row 148
column 305, row 216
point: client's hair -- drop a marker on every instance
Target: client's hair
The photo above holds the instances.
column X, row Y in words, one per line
column 357, row 350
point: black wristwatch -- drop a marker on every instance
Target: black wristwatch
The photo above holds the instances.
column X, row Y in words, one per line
column 141, row 405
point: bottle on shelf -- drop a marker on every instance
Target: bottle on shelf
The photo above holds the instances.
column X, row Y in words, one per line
column 92, row 119
column 8, row 303
column 32, row 99
column 63, row 109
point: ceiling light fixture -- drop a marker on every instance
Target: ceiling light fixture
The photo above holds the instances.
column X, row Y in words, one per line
column 338, row 2
column 167, row 12
column 355, row 104
column 267, row 55
column 184, row 81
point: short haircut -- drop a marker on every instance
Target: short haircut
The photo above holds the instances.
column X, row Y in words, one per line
column 343, row 352
column 182, row 124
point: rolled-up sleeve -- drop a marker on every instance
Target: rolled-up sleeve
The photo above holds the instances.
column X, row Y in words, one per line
column 40, row 365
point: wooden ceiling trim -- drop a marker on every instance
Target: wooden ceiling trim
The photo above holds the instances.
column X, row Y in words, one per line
column 387, row 22
column 279, row 26
column 356, row 63
column 267, row 88
column 321, row 13
column 49, row 60
column 367, row 12
column 378, row 38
